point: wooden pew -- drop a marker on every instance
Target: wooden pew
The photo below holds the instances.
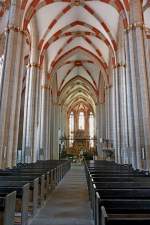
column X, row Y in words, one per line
column 118, row 194
column 26, row 178
column 115, row 172
column 96, row 179
column 33, row 194
column 43, row 185
column 59, row 166
column 124, row 194
column 104, row 179
column 39, row 176
column 122, row 185
column 115, row 185
column 39, row 171
column 7, row 208
column 22, row 202
column 123, row 211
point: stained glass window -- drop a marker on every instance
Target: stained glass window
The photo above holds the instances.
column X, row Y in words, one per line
column 91, row 129
column 71, row 128
column 81, row 121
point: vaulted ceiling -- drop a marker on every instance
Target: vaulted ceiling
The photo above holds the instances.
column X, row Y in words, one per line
column 77, row 38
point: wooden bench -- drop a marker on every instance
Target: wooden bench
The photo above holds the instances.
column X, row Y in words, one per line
column 43, row 185
column 7, row 208
column 52, row 180
column 59, row 166
column 95, row 179
column 22, row 202
column 118, row 194
column 32, row 182
column 121, row 194
column 115, row 185
column 33, row 191
column 122, row 211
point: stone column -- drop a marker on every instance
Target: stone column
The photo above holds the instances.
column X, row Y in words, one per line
column 102, row 126
column 48, row 141
column 55, row 131
column 75, row 121
column 139, row 79
column 110, row 114
column 103, row 119
column 59, row 129
column 116, row 118
column 44, row 137
column 10, row 99
column 63, row 121
column 107, row 112
column 86, row 119
column 146, row 34
column 118, row 115
column 98, row 133
column 24, row 139
column 32, row 114
column 44, row 116
column 37, row 152
column 123, row 113
column 129, row 101
column 51, row 124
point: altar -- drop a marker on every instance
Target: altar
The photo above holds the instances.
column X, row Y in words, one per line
column 80, row 144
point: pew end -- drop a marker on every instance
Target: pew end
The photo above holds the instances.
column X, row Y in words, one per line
column 103, row 217
column 9, row 209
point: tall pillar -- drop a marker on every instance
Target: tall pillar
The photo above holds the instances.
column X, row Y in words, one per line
column 116, row 125
column 86, row 119
column 44, row 136
column 107, row 112
column 59, row 130
column 55, row 132
column 24, row 138
column 48, row 145
column 10, row 99
column 110, row 115
column 123, row 113
column 98, row 135
column 32, row 114
column 76, row 122
column 63, row 121
column 146, row 34
column 51, row 114
column 129, row 101
column 139, row 79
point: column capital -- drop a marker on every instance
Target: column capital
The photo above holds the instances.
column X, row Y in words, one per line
column 15, row 29
column 133, row 26
column 36, row 65
column 119, row 65
column 45, row 87
column 147, row 32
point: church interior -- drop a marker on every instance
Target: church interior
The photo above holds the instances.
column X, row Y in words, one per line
column 75, row 112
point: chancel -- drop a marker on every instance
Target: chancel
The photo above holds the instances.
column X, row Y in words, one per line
column 74, row 112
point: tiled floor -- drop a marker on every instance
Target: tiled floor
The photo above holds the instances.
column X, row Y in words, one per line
column 68, row 204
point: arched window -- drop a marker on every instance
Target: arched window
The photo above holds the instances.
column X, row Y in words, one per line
column 81, row 121
column 91, row 129
column 71, row 128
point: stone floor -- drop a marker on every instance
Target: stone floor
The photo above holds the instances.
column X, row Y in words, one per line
column 68, row 204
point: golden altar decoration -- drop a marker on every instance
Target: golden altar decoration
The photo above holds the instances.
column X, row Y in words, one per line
column 80, row 143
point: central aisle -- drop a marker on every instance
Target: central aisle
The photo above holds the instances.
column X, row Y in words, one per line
column 68, row 204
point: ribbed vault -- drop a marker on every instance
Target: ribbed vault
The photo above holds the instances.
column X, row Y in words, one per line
column 78, row 39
